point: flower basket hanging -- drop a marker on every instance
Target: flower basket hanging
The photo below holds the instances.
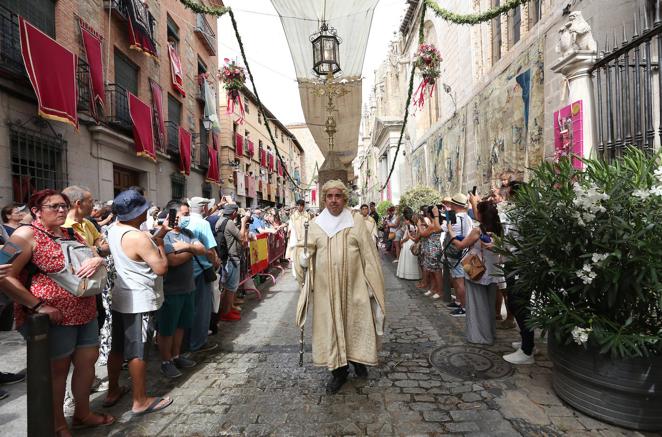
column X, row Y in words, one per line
column 427, row 62
column 233, row 77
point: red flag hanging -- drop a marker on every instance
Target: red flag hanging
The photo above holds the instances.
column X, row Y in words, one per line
column 93, row 52
column 184, row 151
column 250, row 147
column 280, row 168
column 271, row 161
column 263, row 157
column 52, row 72
column 157, row 106
column 141, row 34
column 212, row 169
column 176, row 71
column 238, row 144
column 141, row 117
column 313, row 196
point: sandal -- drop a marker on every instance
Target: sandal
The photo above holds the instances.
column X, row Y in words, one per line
column 123, row 390
column 77, row 423
column 154, row 406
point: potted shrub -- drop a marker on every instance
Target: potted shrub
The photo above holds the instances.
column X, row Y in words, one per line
column 589, row 251
column 419, row 196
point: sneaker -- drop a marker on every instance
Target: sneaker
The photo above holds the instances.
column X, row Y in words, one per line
column 518, row 345
column 427, row 293
column 169, row 370
column 519, row 357
column 11, row 378
column 459, row 312
column 3, row 393
column 207, row 347
column 436, row 296
column 230, row 317
column 183, row 363
column 453, row 305
column 395, row 261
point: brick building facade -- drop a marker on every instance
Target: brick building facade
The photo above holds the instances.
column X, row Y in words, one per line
column 241, row 169
column 101, row 155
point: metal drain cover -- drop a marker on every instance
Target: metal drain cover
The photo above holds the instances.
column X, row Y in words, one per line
column 470, row 362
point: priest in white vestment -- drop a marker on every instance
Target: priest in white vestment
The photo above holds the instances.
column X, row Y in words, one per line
column 345, row 284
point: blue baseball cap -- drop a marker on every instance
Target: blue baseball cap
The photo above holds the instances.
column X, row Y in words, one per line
column 129, row 204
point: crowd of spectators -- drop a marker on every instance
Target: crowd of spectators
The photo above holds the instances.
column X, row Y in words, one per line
column 439, row 240
column 170, row 275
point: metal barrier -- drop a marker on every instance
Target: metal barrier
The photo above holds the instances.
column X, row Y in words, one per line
column 263, row 253
column 40, row 387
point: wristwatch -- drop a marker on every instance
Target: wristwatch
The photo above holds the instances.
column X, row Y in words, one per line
column 37, row 306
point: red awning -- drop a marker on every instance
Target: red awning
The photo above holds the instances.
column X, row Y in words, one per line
column 212, row 168
column 52, row 72
column 157, row 106
column 238, row 144
column 176, row 71
column 93, row 52
column 141, row 117
column 184, row 151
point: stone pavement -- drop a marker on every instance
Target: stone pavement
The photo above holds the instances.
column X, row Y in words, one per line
column 253, row 385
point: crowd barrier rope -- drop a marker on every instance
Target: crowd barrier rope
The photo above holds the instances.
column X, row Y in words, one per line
column 262, row 253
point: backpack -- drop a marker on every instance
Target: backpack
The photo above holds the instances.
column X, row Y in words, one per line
column 222, row 248
column 75, row 254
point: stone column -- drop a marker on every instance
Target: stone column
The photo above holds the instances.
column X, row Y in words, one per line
column 578, row 80
column 578, row 55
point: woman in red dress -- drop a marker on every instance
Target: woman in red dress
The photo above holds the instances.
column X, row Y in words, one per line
column 73, row 334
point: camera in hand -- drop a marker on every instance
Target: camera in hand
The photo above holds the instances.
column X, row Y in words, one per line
column 451, row 217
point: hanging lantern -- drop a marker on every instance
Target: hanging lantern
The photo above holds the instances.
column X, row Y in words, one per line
column 325, row 50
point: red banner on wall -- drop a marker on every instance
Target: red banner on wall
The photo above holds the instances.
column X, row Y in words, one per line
column 141, row 117
column 140, row 28
column 250, row 147
column 238, row 144
column 157, row 106
column 263, row 157
column 271, row 161
column 52, row 72
column 176, row 73
column 213, row 174
column 184, row 151
column 93, row 52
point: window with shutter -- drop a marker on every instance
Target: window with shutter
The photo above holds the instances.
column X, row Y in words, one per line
column 41, row 13
column 174, row 110
column 126, row 73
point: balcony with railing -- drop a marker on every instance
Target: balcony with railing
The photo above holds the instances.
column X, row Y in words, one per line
column 206, row 33
column 11, row 62
column 117, row 8
column 117, row 111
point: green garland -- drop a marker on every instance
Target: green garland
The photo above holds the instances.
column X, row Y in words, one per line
column 202, row 9
column 482, row 17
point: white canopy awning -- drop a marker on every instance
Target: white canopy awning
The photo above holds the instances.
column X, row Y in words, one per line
column 352, row 20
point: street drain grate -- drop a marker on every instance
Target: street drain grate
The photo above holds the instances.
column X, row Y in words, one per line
column 470, row 362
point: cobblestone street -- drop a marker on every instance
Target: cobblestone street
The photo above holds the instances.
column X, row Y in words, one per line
column 253, row 385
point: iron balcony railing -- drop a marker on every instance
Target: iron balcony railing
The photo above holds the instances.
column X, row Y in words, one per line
column 206, row 34
column 117, row 102
column 117, row 8
column 11, row 62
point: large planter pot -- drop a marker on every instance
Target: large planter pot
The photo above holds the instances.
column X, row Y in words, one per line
column 627, row 393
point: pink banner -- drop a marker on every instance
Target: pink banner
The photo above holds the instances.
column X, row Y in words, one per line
column 568, row 133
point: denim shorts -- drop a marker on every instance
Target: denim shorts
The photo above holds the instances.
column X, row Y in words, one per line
column 64, row 340
column 230, row 276
column 457, row 271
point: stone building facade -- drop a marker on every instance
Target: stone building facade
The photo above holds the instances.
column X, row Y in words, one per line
column 101, row 154
column 313, row 160
column 492, row 108
column 241, row 170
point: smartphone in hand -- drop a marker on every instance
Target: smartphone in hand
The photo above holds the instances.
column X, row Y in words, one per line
column 172, row 218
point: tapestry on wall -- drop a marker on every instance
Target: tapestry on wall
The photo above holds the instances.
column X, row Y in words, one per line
column 446, row 158
column 508, row 116
column 418, row 169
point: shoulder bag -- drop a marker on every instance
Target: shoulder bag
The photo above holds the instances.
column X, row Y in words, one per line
column 474, row 266
column 75, row 254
